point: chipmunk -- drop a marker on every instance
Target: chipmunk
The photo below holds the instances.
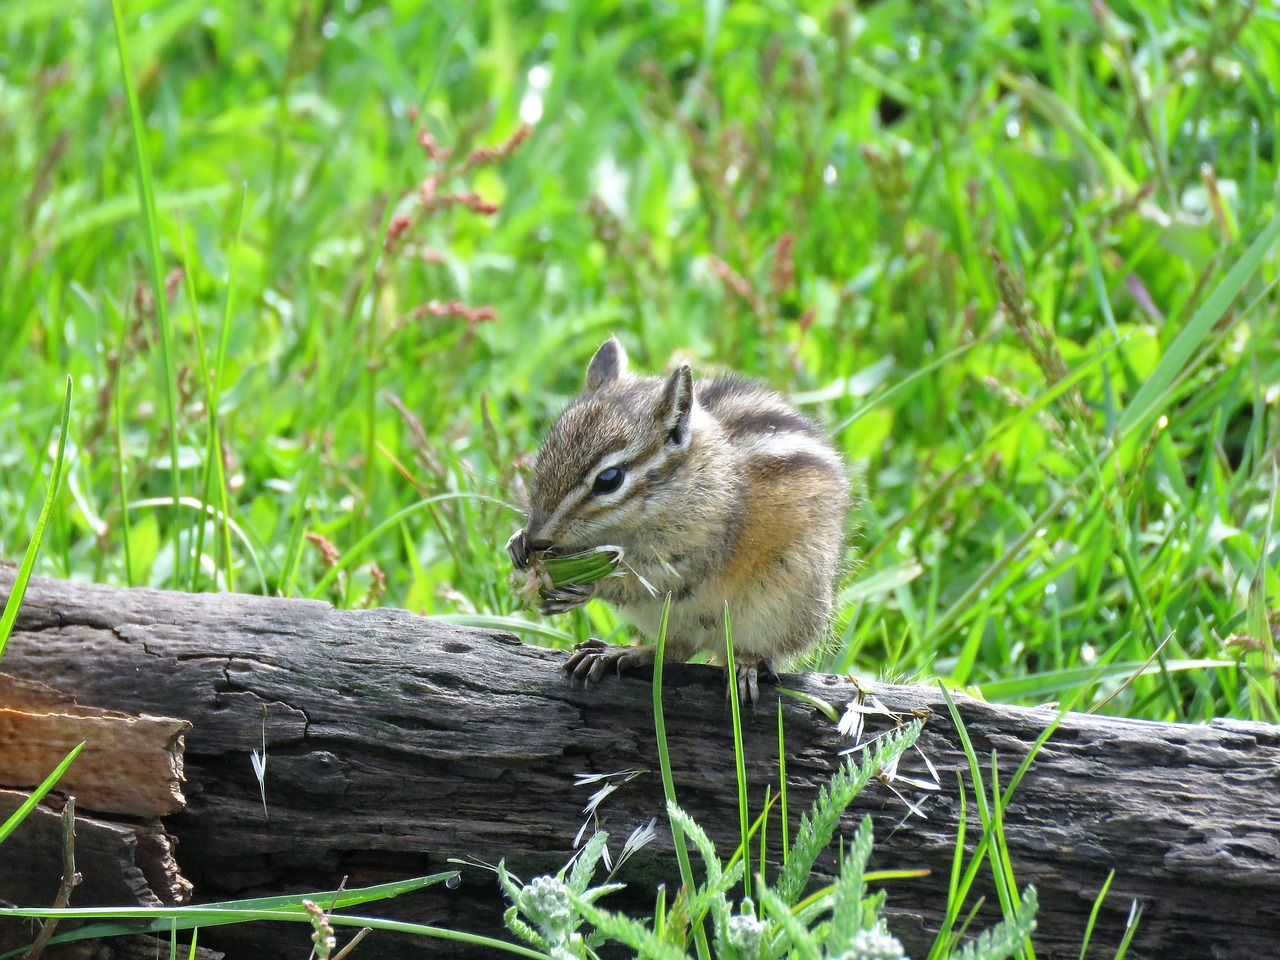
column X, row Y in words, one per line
column 719, row 492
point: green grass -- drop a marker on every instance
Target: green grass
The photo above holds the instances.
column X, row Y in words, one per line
column 1011, row 250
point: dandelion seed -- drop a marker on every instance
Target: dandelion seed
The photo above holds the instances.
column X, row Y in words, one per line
column 539, row 78
column 851, row 722
column 598, row 797
column 640, row 836
column 912, row 806
column 933, row 772
column 582, row 779
column 477, row 862
column 259, row 762
column 918, row 784
column 859, row 747
column 653, row 591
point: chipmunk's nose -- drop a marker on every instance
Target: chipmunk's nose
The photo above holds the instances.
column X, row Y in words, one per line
column 535, row 532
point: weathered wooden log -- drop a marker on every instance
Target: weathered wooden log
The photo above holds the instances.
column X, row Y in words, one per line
column 395, row 742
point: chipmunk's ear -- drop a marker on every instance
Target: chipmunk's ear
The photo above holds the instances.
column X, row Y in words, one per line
column 609, row 363
column 675, row 406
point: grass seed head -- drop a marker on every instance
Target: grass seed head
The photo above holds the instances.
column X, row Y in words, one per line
column 546, row 572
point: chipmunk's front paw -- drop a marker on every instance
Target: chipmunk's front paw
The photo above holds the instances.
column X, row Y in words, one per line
column 749, row 675
column 566, row 598
column 518, row 550
column 592, row 658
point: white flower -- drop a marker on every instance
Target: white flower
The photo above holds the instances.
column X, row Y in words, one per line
column 743, row 932
column 875, row 944
column 545, row 901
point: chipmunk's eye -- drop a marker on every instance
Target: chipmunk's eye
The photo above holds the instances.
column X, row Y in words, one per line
column 608, row 480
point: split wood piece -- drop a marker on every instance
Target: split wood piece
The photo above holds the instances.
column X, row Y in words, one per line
column 395, row 742
column 129, row 765
column 122, row 864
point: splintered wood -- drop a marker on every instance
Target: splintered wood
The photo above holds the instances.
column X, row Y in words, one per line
column 129, row 765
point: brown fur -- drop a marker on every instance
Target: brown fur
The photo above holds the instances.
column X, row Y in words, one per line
column 732, row 498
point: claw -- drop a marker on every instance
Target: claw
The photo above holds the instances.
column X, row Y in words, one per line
column 566, row 598
column 518, row 549
column 593, row 657
column 748, row 680
column 581, row 652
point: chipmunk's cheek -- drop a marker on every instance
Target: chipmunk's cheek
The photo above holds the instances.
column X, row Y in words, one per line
column 574, row 534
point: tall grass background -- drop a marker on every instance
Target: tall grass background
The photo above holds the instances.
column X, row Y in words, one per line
column 321, row 287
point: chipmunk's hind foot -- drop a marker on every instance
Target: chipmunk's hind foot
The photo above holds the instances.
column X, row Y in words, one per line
column 749, row 675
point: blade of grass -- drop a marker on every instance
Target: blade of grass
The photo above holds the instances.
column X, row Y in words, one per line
column 1021, row 417
column 743, row 817
column 10, row 615
column 902, row 385
column 205, row 916
column 955, row 898
column 668, row 781
column 1093, row 914
column 782, row 787
column 146, row 193
column 1130, row 928
column 213, row 383
column 958, row 892
column 510, row 624
column 236, row 911
column 206, row 509
column 1146, row 403
column 117, row 419
column 1001, row 863
column 16, row 818
column 1053, row 681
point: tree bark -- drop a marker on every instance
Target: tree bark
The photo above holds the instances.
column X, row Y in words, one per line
column 395, row 742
